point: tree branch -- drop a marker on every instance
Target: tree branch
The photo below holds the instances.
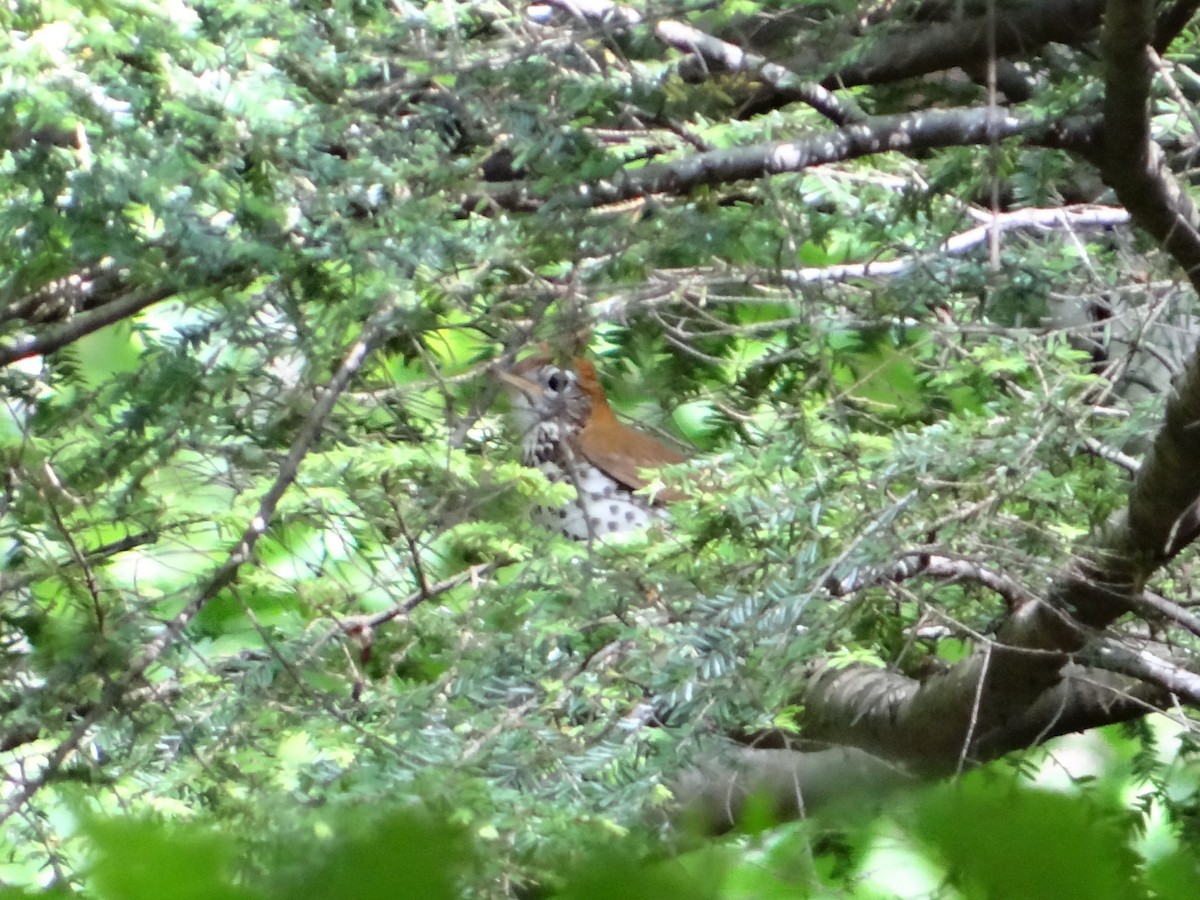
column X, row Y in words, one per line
column 1132, row 164
column 714, row 52
column 373, row 333
column 793, row 784
column 934, row 47
column 911, row 133
column 1147, row 667
column 933, row 565
column 1160, row 520
column 731, row 58
column 84, row 324
column 796, row 783
column 1171, row 21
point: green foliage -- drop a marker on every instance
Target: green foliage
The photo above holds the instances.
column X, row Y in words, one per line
column 1030, row 844
column 267, row 177
column 170, row 862
column 987, row 837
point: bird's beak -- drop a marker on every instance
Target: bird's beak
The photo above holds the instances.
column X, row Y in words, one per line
column 524, row 385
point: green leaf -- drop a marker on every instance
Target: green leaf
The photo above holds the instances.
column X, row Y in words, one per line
column 1015, row 842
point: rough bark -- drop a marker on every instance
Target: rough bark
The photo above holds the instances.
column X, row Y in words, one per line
column 1020, row 689
column 933, row 47
column 913, row 133
column 1052, row 667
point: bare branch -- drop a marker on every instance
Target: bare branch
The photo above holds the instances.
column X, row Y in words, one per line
column 713, row 52
column 1147, row 667
column 713, row 796
column 1113, row 455
column 909, row 133
column 600, row 12
column 56, row 338
column 934, row 47
column 934, row 566
column 1152, row 602
column 731, row 58
column 1074, row 217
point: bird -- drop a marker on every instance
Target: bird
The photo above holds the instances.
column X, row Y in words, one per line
column 570, row 432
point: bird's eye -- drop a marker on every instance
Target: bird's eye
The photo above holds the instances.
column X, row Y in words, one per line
column 557, row 381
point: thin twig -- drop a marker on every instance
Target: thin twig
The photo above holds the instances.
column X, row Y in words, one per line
column 373, row 333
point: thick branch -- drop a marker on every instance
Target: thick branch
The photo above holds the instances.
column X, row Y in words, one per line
column 1131, row 162
column 1012, row 690
column 790, row 783
column 1015, row 691
column 934, row 47
column 1171, row 21
column 794, row 783
column 912, row 133
column 1168, row 677
column 1083, row 698
column 1162, row 517
column 995, row 688
column 56, row 338
column 933, row 724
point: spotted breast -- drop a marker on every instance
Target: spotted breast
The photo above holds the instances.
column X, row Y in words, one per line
column 569, row 432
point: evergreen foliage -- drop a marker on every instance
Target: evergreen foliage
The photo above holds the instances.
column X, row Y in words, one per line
column 274, row 620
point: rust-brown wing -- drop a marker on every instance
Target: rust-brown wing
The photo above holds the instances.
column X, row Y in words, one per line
column 624, row 452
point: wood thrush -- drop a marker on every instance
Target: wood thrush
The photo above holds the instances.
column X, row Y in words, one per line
column 569, row 432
